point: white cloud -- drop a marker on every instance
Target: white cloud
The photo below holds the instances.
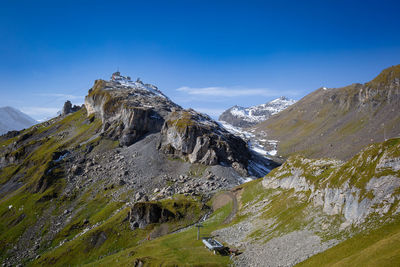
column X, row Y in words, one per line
column 40, row 113
column 232, row 91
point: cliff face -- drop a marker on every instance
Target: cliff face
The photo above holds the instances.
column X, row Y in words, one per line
column 127, row 112
column 307, row 206
column 131, row 110
column 339, row 122
column 195, row 136
column 367, row 184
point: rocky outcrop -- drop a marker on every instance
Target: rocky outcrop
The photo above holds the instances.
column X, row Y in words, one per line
column 68, row 108
column 332, row 185
column 130, row 110
column 197, row 138
column 145, row 213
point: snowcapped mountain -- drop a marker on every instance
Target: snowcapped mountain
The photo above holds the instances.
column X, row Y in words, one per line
column 13, row 119
column 246, row 117
column 125, row 81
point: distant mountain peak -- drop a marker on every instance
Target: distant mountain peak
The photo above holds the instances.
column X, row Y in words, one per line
column 245, row 117
column 13, row 119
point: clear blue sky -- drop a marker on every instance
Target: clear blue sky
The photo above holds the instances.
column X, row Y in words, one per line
column 208, row 55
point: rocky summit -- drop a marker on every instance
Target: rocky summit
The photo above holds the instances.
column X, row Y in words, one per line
column 130, row 110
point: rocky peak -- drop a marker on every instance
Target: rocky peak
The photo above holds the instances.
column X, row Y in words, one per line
column 130, row 110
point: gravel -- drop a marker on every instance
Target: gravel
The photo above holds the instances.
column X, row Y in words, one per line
column 286, row 250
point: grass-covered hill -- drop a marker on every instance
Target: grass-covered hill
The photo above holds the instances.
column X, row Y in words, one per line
column 339, row 122
column 348, row 212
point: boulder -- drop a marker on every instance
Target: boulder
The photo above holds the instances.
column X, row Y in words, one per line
column 68, row 108
column 143, row 214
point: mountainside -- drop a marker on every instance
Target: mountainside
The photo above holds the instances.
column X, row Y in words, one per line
column 129, row 166
column 12, row 119
column 345, row 213
column 307, row 206
column 130, row 110
column 246, row 117
column 127, row 179
column 338, row 122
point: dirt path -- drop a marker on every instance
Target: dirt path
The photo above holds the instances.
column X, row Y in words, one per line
column 223, row 199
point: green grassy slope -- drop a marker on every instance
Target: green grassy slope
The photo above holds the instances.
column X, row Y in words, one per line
column 274, row 212
column 95, row 229
column 115, row 235
column 380, row 247
column 177, row 249
column 43, row 179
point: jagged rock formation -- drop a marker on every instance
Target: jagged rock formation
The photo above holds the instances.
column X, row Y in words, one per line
column 130, row 110
column 12, row 119
column 195, row 136
column 68, row 108
column 339, row 122
column 246, row 117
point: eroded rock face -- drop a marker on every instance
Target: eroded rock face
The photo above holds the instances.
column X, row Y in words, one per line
column 128, row 110
column 68, row 108
column 337, row 191
column 195, row 136
column 145, row 213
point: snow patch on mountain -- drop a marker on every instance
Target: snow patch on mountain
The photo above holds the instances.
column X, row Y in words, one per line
column 245, row 117
column 126, row 81
column 252, row 141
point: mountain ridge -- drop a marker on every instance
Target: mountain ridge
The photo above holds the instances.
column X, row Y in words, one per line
column 338, row 122
column 245, row 117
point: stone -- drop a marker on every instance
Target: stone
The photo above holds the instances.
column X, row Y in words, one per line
column 143, row 214
column 68, row 108
column 138, row 196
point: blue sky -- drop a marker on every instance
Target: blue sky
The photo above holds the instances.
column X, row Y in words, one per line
column 208, row 55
